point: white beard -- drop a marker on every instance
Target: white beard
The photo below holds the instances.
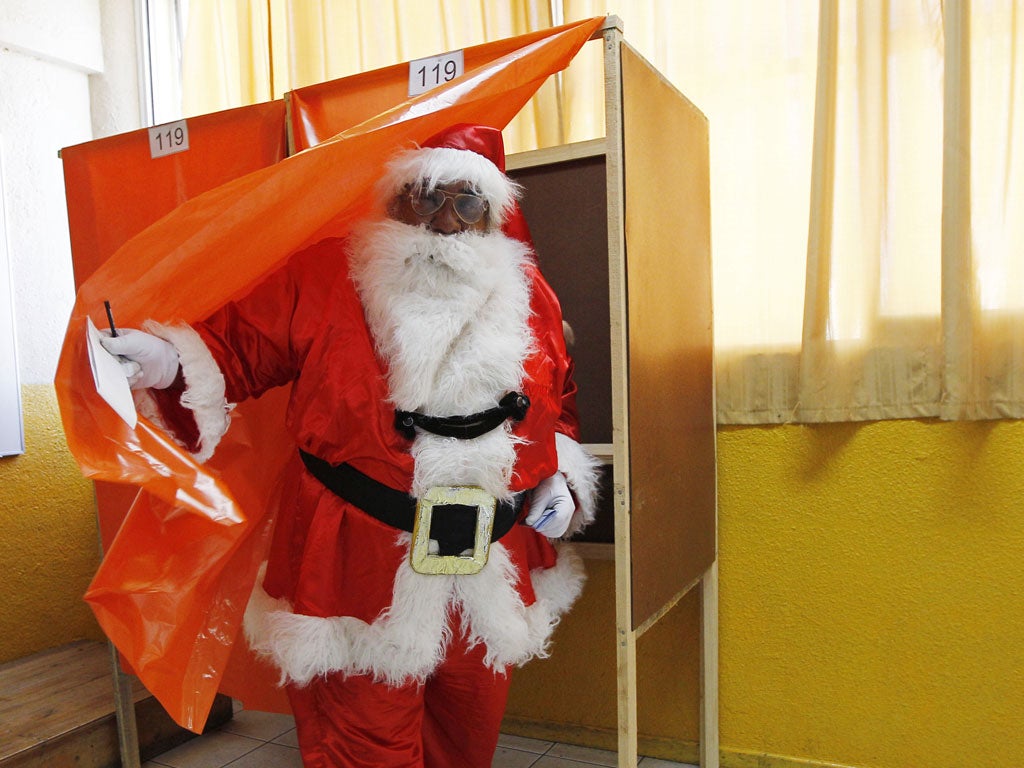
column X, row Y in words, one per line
column 449, row 315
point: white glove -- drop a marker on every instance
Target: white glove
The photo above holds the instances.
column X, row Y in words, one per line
column 147, row 360
column 552, row 507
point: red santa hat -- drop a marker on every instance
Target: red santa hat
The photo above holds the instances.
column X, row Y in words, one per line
column 463, row 152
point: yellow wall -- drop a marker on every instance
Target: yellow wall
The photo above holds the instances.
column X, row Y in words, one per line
column 872, row 607
column 48, row 542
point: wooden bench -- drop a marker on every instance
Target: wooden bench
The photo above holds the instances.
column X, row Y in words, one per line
column 57, row 709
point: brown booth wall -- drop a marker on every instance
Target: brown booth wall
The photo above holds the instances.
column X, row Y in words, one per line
column 565, row 206
column 673, row 516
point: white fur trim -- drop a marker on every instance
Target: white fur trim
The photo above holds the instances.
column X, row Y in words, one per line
column 408, row 641
column 450, row 315
column 582, row 471
column 204, row 393
column 495, row 615
column 425, row 168
column 404, row 644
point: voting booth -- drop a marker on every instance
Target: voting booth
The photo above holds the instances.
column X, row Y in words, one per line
column 622, row 232
column 652, row 397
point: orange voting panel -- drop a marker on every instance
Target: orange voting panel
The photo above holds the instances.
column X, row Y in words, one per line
column 318, row 112
column 176, row 578
column 118, row 186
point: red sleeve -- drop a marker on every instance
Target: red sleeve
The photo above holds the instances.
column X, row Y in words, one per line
column 260, row 341
column 568, row 422
column 177, row 420
column 246, row 347
column 546, row 302
column 250, row 338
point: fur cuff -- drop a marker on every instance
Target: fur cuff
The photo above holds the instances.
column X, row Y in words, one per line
column 204, row 392
column 583, row 472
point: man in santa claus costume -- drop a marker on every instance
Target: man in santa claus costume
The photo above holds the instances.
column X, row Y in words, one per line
column 433, row 408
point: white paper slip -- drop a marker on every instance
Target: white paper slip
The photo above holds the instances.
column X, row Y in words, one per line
column 109, row 377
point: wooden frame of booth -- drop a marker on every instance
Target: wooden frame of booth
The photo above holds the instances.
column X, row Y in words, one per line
column 656, row 403
column 659, row 254
column 661, row 431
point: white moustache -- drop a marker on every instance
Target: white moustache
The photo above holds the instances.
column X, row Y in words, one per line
column 413, row 259
column 460, row 252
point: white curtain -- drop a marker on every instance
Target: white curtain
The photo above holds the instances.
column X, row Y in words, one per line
column 867, row 171
column 867, row 201
column 912, row 300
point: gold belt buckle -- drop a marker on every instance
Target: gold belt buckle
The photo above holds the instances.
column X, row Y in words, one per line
column 421, row 559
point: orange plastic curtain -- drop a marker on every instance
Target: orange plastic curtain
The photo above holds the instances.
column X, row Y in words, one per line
column 319, row 111
column 172, row 588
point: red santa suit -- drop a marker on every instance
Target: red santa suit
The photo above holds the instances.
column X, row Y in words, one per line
column 386, row 666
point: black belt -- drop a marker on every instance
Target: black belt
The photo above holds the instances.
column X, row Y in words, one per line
column 454, row 531
column 512, row 406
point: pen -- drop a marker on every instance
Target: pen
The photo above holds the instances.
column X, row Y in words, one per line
column 110, row 318
column 544, row 518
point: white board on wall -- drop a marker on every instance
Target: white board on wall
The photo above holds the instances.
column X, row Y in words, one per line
column 12, row 431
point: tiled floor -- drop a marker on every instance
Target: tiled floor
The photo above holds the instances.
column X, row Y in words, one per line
column 262, row 740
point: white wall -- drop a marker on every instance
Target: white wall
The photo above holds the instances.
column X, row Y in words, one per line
column 57, row 57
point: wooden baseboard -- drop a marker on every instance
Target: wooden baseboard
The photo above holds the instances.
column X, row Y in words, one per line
column 740, row 758
column 57, row 708
column 677, row 750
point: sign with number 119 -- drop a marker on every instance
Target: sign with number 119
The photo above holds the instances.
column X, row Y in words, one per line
column 428, row 73
column 168, row 139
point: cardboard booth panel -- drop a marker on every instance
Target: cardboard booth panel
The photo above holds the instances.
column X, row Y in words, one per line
column 566, row 208
column 565, row 205
column 670, row 357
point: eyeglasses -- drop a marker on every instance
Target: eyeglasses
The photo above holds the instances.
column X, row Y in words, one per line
column 469, row 207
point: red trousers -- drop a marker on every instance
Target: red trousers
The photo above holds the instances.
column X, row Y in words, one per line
column 450, row 721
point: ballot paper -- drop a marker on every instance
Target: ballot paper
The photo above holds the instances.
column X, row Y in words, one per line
column 109, row 377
